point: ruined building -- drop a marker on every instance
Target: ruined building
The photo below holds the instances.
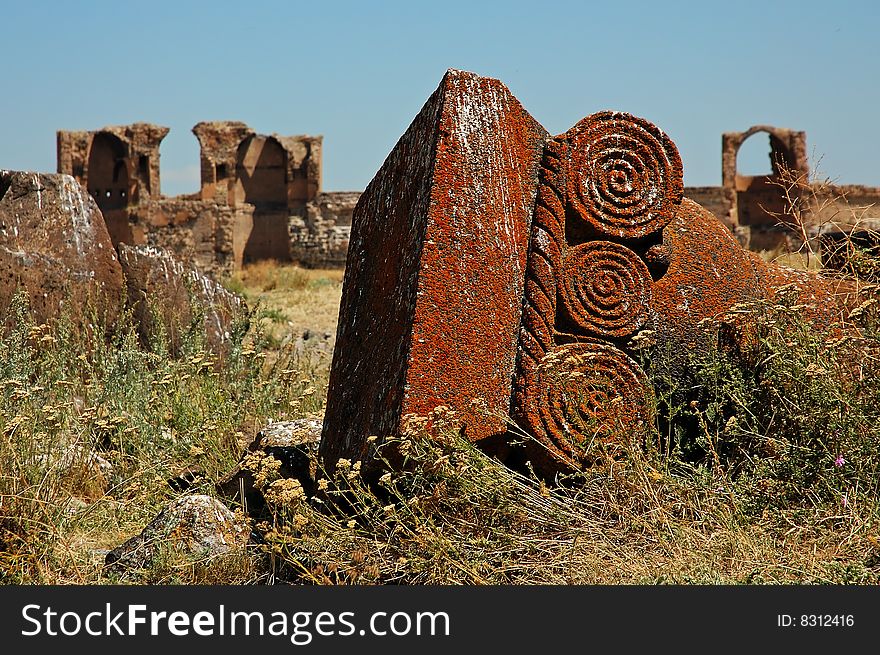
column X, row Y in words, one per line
column 260, row 195
column 760, row 208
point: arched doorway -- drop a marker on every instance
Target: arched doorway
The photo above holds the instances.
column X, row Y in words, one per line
column 767, row 183
column 261, row 181
column 109, row 183
column 108, row 173
column 261, row 165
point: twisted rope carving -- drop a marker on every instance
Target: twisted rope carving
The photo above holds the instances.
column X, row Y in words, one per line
column 545, row 257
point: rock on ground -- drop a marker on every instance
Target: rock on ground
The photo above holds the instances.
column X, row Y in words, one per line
column 294, row 443
column 196, row 527
column 432, row 295
column 55, row 246
column 160, row 287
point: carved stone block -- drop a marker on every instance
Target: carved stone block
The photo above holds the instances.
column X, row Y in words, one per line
column 434, row 278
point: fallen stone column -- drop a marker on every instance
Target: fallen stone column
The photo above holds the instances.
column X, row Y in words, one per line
column 433, row 285
column 480, row 239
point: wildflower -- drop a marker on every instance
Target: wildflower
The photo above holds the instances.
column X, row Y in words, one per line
column 840, row 461
column 284, row 492
column 643, row 339
column 352, row 523
column 262, row 466
column 322, row 484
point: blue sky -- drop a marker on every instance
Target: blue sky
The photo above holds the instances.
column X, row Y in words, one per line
column 358, row 72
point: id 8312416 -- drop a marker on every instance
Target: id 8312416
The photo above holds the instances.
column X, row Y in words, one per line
column 815, row 620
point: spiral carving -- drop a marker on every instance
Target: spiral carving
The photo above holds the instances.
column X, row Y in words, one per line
column 606, row 288
column 587, row 391
column 624, row 174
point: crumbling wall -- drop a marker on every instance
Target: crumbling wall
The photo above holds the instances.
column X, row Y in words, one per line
column 119, row 165
column 253, row 189
column 757, row 204
column 199, row 232
column 320, row 233
column 260, row 195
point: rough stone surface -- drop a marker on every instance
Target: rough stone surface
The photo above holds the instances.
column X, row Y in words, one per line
column 319, row 235
column 608, row 188
column 293, row 443
column 623, row 276
column 434, row 277
column 159, row 286
column 708, row 273
column 54, row 245
column 197, row 527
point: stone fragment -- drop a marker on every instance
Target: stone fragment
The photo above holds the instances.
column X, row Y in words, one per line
column 624, row 279
column 294, row 444
column 194, row 527
column 164, row 292
column 55, row 246
column 608, row 188
column 433, row 285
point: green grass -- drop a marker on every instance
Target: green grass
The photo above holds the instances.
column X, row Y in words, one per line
column 65, row 397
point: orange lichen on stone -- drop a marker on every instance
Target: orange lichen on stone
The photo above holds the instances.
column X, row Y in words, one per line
column 491, row 266
column 608, row 187
column 616, row 249
column 433, row 285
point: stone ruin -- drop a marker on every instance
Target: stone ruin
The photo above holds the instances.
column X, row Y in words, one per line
column 260, row 195
column 508, row 275
column 760, row 209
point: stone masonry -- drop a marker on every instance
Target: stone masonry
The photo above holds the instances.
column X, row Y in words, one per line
column 260, row 195
column 499, row 274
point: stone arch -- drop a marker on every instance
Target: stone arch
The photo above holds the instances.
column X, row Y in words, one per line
column 109, row 181
column 781, row 155
column 261, row 181
column 759, row 201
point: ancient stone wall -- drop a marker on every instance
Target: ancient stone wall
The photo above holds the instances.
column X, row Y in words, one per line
column 319, row 234
column 200, row 232
column 260, row 195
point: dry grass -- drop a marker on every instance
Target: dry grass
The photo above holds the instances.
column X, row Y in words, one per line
column 293, row 299
column 745, row 489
